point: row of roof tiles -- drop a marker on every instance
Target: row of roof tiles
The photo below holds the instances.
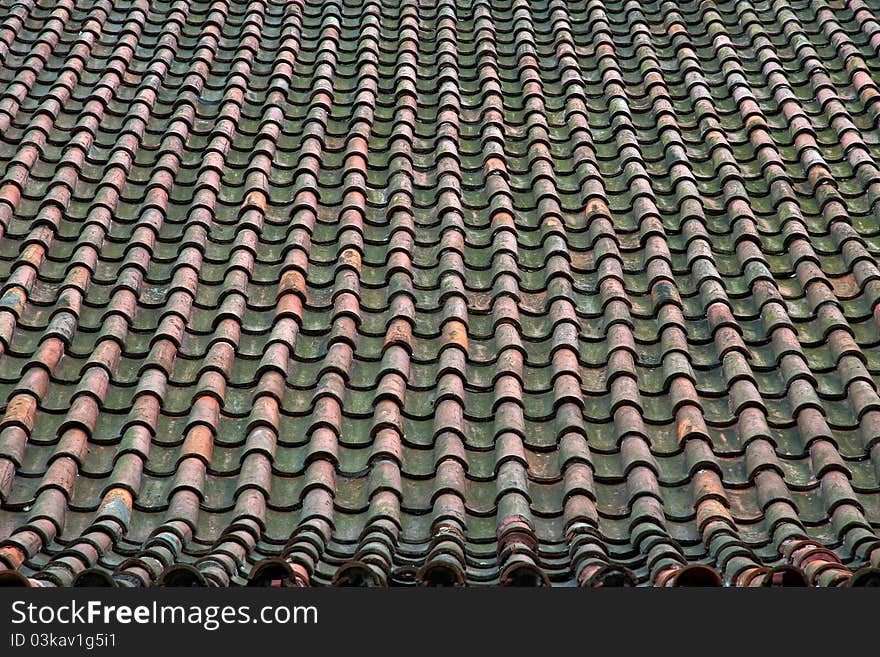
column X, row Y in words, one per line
column 372, row 293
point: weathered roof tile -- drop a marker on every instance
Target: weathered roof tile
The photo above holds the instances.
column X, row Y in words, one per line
column 570, row 292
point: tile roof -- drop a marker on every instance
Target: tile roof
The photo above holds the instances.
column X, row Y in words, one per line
column 370, row 292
